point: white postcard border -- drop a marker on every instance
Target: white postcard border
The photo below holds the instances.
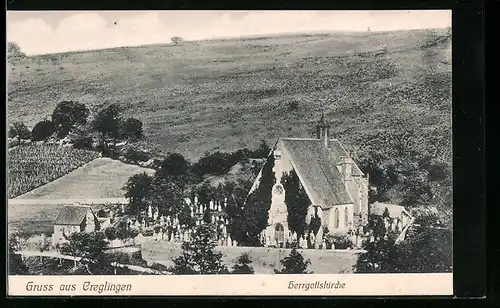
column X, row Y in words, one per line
column 235, row 285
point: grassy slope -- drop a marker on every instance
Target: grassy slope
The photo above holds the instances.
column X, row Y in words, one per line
column 224, row 95
column 101, row 178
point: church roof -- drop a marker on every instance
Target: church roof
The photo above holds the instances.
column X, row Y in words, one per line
column 316, row 166
column 72, row 215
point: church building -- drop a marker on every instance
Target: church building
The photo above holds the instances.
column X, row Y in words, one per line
column 337, row 189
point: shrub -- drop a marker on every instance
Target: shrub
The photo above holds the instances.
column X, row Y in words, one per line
column 341, row 241
column 294, row 264
column 176, row 40
column 132, row 129
column 159, row 267
column 19, row 130
column 110, row 233
column 243, row 265
column 217, row 163
column 107, row 150
column 262, row 151
column 134, row 156
column 199, row 255
column 101, row 213
column 42, row 130
column 81, row 140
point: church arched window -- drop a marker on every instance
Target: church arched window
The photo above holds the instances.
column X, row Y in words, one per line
column 337, row 217
column 346, row 217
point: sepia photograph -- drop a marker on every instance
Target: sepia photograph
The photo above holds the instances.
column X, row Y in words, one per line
column 228, row 142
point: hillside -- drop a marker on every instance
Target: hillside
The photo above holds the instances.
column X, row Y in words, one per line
column 99, row 179
column 228, row 94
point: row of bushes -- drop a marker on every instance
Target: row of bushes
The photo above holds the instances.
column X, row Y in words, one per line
column 219, row 163
column 71, row 120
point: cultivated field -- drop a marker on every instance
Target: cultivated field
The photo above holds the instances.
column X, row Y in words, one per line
column 33, row 165
column 264, row 260
column 228, row 94
column 99, row 179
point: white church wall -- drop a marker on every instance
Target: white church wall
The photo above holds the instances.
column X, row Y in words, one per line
column 343, row 223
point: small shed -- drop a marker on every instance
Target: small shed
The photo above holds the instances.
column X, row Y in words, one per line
column 74, row 218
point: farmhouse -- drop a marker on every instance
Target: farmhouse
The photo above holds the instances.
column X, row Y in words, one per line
column 337, row 189
column 74, row 218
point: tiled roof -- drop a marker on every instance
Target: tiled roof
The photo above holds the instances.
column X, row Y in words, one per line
column 72, row 215
column 316, row 166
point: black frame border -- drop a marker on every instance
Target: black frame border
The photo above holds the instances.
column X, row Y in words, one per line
column 470, row 274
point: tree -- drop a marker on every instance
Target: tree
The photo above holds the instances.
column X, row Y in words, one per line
column 382, row 173
column 235, row 194
column 426, row 249
column 16, row 264
column 199, row 255
column 174, row 165
column 138, row 189
column 243, row 265
column 18, row 240
column 124, row 232
column 166, row 195
column 294, row 264
column 90, row 247
column 42, row 246
column 108, row 122
column 19, row 130
column 132, row 129
column 176, row 40
column 297, row 202
column 110, row 233
column 258, row 203
column 133, row 155
column 81, row 139
column 315, row 223
column 185, row 217
column 42, row 130
column 67, row 115
column 262, row 151
column 207, row 216
column 217, row 163
column 14, row 51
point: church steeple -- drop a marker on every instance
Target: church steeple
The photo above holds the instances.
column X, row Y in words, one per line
column 323, row 130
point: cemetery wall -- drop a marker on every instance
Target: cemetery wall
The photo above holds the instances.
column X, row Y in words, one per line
column 264, row 259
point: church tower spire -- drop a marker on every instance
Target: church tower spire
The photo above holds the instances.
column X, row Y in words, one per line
column 323, row 130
